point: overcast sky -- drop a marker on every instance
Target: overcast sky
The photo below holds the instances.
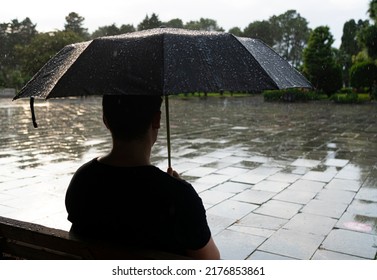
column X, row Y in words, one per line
column 50, row 15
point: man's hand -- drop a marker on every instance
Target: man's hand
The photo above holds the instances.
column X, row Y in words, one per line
column 173, row 173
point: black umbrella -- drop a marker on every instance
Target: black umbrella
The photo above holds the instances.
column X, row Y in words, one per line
column 163, row 61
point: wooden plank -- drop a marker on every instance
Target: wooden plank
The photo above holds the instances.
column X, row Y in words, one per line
column 19, row 250
column 32, row 241
column 41, row 236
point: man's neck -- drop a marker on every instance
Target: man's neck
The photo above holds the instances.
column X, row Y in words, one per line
column 128, row 153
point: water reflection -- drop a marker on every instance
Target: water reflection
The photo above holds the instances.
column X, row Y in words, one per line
column 68, row 128
column 334, row 145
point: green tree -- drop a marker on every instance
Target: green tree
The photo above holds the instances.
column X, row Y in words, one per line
column 41, row 48
column 149, row 22
column 127, row 28
column 74, row 23
column 349, row 46
column 205, row 24
column 349, row 43
column 363, row 74
column 174, row 23
column 319, row 61
column 262, row 30
column 373, row 10
column 236, row 31
column 368, row 39
column 12, row 34
column 291, row 37
column 107, row 30
column 110, row 30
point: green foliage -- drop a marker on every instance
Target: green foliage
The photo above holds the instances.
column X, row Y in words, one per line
column 110, row 30
column 41, row 48
column 174, row 23
column 332, row 80
column 13, row 34
column 346, row 90
column 319, row 61
column 74, row 23
column 373, row 10
column 350, row 46
column 149, row 22
column 368, row 38
column 363, row 74
column 287, row 34
column 292, row 33
column 262, row 30
column 373, row 93
column 290, row 95
column 205, row 24
column 236, row 31
column 2, row 80
column 350, row 97
column 345, row 98
column 363, row 97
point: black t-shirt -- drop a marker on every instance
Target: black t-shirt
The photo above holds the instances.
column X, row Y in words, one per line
column 136, row 206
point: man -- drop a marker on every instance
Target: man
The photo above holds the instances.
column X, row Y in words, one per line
column 121, row 196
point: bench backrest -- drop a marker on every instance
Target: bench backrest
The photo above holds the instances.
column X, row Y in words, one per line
column 24, row 240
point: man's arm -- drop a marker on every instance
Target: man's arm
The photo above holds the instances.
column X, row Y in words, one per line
column 208, row 252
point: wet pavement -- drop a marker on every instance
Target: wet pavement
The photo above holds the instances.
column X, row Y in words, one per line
column 279, row 181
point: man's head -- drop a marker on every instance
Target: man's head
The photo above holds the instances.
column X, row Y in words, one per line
column 128, row 117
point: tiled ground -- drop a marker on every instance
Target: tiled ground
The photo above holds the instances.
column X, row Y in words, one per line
column 268, row 214
column 301, row 185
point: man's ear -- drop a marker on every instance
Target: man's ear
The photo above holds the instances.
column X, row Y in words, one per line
column 156, row 120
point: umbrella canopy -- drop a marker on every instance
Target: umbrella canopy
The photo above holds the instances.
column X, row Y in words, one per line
column 163, row 61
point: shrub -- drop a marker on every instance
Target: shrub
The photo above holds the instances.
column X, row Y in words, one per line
column 363, row 74
column 345, row 98
column 346, row 90
column 290, row 95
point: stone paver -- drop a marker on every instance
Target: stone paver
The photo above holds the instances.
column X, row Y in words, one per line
column 291, row 243
column 300, row 183
column 325, row 208
column 240, row 247
column 312, row 224
column 280, row 209
column 350, row 242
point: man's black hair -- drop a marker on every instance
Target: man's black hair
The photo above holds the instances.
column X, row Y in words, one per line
column 129, row 116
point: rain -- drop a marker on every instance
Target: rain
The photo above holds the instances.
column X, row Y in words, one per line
column 282, row 151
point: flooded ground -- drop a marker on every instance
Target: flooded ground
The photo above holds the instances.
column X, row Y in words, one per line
column 291, row 181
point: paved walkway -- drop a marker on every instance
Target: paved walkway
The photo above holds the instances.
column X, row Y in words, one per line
column 312, row 198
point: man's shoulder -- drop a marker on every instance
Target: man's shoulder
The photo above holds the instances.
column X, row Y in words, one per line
column 89, row 164
column 164, row 179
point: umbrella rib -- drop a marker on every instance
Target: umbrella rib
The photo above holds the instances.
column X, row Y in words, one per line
column 256, row 61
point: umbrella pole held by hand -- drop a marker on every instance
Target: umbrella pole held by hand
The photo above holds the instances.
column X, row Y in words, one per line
column 167, row 128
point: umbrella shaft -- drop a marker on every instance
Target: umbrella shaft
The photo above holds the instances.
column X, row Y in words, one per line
column 167, row 128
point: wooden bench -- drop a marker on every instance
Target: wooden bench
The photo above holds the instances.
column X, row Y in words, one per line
column 23, row 240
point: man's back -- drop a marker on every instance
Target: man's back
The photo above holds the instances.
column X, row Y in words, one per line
column 137, row 206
